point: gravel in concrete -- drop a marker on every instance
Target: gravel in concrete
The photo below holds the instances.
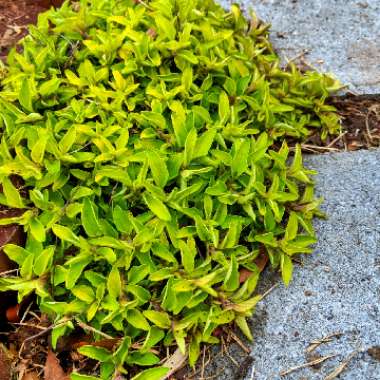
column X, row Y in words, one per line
column 337, row 289
column 345, row 34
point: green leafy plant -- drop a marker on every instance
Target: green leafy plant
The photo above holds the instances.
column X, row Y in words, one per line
column 151, row 141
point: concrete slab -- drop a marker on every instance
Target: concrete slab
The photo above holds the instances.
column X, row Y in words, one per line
column 337, row 289
column 344, row 34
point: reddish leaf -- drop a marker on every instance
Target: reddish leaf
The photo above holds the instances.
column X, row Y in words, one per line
column 217, row 332
column 244, row 275
column 13, row 314
column 262, row 259
column 31, row 376
column 53, row 369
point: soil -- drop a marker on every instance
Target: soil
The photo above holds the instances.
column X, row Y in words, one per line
column 374, row 352
column 360, row 121
column 15, row 16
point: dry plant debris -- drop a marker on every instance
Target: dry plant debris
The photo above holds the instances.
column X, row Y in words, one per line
column 338, row 370
column 53, row 369
column 374, row 352
column 308, row 364
column 360, row 124
column 316, row 343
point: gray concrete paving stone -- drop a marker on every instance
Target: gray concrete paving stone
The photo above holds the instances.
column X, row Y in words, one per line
column 337, row 289
column 344, row 34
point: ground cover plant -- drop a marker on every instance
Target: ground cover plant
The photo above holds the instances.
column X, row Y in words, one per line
column 145, row 145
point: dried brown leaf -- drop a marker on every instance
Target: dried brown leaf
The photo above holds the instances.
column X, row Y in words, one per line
column 53, row 369
column 31, row 376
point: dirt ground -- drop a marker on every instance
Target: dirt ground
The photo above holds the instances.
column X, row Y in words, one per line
column 15, row 16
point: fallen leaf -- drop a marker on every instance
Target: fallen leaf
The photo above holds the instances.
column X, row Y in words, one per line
column 53, row 369
column 31, row 376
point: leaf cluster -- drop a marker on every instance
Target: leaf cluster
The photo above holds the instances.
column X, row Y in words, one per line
column 151, row 141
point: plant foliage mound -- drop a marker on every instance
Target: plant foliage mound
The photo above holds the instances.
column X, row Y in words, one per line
column 150, row 138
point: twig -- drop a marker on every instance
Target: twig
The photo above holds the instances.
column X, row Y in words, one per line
column 316, row 147
column 175, row 363
column 270, row 290
column 367, row 126
column 29, row 325
column 26, row 313
column 308, row 364
column 344, row 139
column 144, row 4
column 310, row 150
column 203, row 363
column 338, row 370
column 316, row 343
column 238, row 341
column 41, row 333
column 33, row 314
column 196, row 372
column 336, row 139
column 84, row 326
column 298, row 56
column 231, row 358
column 5, row 273
column 228, row 354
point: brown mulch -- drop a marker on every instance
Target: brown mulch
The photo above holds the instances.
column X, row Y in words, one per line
column 360, row 126
column 360, row 121
column 15, row 16
column 26, row 352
